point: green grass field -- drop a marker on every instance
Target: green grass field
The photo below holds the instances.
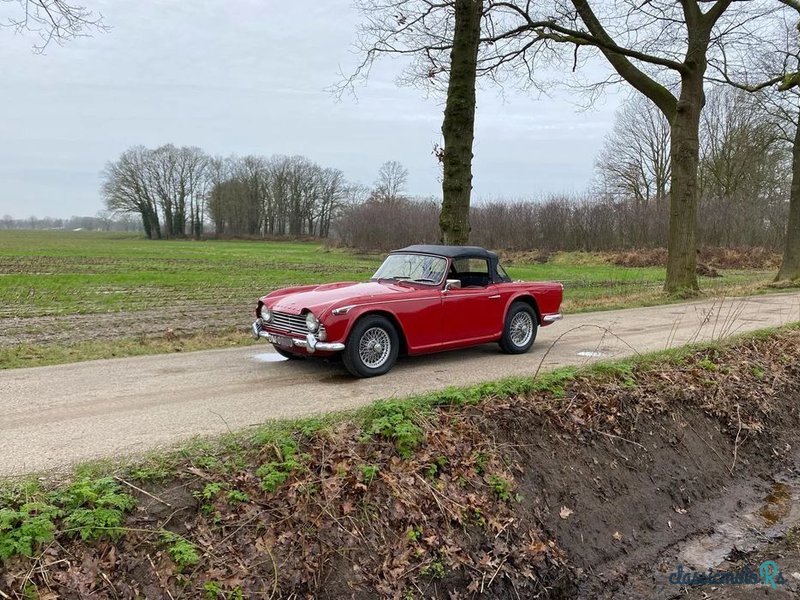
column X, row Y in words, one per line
column 57, row 273
column 45, row 273
column 62, row 274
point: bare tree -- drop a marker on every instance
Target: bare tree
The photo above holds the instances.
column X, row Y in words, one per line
column 166, row 186
column 443, row 39
column 634, row 162
column 333, row 191
column 790, row 267
column 281, row 195
column 661, row 49
column 390, row 185
column 127, row 188
column 54, row 21
column 743, row 168
column 773, row 74
column 458, row 127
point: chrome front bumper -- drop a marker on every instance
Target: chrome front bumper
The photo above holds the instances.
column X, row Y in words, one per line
column 310, row 343
column 551, row 318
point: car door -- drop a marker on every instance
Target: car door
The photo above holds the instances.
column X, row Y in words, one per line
column 473, row 313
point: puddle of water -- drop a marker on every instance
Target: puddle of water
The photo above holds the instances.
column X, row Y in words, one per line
column 591, row 354
column 269, row 357
column 779, row 511
column 777, row 504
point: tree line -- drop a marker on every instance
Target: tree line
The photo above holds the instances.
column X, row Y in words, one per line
column 744, row 192
column 101, row 222
column 179, row 191
column 744, row 182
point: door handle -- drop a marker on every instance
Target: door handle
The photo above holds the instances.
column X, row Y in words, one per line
column 495, row 297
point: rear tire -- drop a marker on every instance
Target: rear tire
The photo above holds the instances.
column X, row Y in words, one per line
column 372, row 347
column 520, row 328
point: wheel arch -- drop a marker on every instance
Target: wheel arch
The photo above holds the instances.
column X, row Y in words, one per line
column 530, row 301
column 391, row 317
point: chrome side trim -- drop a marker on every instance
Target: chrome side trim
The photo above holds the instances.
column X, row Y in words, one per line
column 552, row 318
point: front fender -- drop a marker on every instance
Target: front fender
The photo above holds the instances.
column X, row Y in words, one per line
column 338, row 327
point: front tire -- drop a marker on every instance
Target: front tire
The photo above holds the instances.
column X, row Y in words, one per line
column 520, row 329
column 372, row 347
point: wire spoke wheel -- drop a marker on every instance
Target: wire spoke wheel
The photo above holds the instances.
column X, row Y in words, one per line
column 374, row 347
column 521, row 328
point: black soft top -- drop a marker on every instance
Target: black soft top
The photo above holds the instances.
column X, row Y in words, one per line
column 450, row 251
column 495, row 275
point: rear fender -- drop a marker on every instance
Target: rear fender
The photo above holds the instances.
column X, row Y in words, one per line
column 527, row 299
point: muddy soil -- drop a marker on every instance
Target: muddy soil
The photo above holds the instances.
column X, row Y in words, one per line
column 178, row 321
column 698, row 478
column 784, row 551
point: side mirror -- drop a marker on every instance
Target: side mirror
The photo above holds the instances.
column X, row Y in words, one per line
column 452, row 284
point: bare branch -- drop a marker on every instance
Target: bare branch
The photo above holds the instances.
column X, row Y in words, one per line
column 55, row 21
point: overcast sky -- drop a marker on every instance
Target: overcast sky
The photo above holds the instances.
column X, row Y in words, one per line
column 250, row 77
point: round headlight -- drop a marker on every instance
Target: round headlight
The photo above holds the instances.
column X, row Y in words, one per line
column 312, row 323
column 266, row 314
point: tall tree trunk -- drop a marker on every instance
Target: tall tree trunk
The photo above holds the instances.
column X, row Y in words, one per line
column 146, row 225
column 685, row 155
column 458, row 127
column 168, row 220
column 790, row 267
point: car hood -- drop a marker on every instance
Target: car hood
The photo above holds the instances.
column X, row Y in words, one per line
column 333, row 295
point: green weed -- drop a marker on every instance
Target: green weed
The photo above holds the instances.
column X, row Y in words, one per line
column 501, row 487
column 183, row 553
column 394, row 420
column 436, row 467
column 707, row 364
column 22, row 530
column 434, row 570
column 369, row 472
column 87, row 508
column 274, row 473
column 414, row 534
column 238, row 496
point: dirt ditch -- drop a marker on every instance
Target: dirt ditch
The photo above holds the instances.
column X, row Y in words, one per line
column 598, row 486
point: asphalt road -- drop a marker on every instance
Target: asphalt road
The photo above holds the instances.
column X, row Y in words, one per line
column 51, row 417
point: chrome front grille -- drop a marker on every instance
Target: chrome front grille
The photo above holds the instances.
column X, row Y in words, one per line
column 295, row 324
column 292, row 324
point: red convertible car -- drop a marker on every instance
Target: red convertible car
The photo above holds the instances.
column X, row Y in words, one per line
column 422, row 299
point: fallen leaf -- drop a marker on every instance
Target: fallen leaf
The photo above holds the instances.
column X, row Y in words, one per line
column 679, row 510
column 617, row 536
column 565, row 512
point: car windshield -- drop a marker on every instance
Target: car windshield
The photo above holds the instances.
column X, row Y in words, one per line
column 419, row 268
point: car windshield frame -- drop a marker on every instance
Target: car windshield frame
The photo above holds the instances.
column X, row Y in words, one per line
column 407, row 276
